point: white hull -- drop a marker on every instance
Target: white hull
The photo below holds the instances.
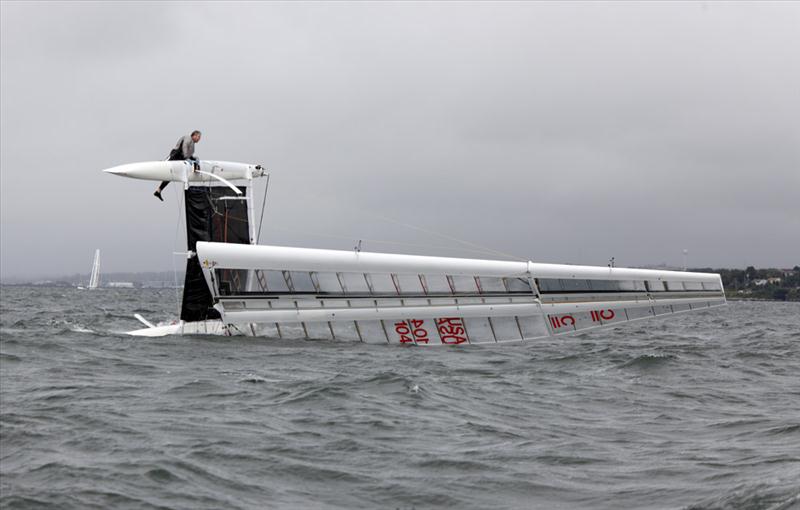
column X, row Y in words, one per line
column 184, row 171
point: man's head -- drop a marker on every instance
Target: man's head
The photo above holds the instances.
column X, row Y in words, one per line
column 196, row 135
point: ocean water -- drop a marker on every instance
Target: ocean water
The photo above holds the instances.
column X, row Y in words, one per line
column 695, row 411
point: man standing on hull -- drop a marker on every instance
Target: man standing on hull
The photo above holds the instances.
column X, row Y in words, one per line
column 183, row 150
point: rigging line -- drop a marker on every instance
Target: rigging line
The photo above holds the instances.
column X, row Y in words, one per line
column 225, row 228
column 377, row 241
column 263, row 206
column 435, row 233
column 209, row 195
column 179, row 201
column 451, row 238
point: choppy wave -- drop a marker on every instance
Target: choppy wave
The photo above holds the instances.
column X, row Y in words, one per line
column 694, row 412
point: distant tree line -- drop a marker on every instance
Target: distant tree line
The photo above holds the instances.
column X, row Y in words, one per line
column 752, row 283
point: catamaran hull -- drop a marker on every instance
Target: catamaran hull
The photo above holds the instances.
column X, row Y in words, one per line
column 185, row 171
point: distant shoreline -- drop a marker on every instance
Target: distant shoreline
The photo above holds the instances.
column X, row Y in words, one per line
column 737, row 298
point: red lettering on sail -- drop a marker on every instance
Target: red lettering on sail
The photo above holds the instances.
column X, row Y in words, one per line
column 419, row 332
column 402, row 329
column 451, row 330
column 602, row 315
column 558, row 322
column 607, row 315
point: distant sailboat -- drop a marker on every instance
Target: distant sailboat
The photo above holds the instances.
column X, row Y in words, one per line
column 94, row 277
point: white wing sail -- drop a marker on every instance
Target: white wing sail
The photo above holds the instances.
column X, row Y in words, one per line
column 380, row 298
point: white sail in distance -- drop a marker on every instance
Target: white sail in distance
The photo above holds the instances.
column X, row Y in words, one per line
column 94, row 277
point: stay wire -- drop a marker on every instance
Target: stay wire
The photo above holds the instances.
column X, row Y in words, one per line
column 378, row 241
column 179, row 201
column 453, row 238
column 263, row 206
column 475, row 246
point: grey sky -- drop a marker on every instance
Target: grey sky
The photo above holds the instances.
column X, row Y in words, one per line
column 561, row 132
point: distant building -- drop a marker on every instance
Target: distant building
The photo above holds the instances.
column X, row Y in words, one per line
column 760, row 283
column 160, row 284
column 774, row 281
column 121, row 285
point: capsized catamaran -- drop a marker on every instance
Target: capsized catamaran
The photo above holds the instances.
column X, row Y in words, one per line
column 235, row 287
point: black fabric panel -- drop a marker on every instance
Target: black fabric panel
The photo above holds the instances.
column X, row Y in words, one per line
column 197, row 302
column 211, row 218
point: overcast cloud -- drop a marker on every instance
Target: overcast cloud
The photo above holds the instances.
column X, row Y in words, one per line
column 560, row 132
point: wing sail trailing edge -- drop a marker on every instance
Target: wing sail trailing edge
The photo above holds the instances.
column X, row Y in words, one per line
column 392, row 298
